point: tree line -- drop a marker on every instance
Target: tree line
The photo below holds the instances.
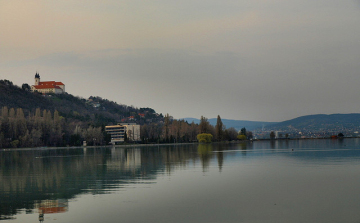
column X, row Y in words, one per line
column 30, row 119
column 180, row 131
column 44, row 128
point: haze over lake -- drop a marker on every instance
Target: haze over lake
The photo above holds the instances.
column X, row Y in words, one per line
column 262, row 181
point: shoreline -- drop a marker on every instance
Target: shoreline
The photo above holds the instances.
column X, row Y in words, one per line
column 162, row 144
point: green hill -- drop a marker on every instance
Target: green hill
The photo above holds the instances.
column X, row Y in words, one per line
column 95, row 110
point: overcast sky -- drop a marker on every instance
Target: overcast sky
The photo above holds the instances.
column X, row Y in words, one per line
column 260, row 60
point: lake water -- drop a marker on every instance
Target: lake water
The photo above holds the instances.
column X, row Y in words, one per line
column 280, row 181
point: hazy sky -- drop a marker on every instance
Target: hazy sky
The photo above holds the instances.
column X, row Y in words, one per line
column 261, row 60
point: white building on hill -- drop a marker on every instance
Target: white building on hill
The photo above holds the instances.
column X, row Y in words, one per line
column 47, row 86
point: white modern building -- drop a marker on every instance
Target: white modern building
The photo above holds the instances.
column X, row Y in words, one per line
column 117, row 132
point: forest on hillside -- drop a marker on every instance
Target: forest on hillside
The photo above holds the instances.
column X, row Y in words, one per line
column 43, row 128
column 92, row 111
column 49, row 129
column 30, row 119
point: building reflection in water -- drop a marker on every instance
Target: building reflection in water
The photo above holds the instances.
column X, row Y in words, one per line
column 129, row 159
column 42, row 178
column 51, row 207
column 42, row 181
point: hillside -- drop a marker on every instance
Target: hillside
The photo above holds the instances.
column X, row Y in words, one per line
column 14, row 97
column 319, row 125
column 95, row 110
column 30, row 119
column 320, row 122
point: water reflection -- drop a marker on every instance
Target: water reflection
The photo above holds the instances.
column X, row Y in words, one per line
column 51, row 207
column 29, row 176
column 273, row 144
column 43, row 181
column 220, row 156
column 205, row 154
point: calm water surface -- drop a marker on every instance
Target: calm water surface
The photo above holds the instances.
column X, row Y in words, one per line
column 281, row 181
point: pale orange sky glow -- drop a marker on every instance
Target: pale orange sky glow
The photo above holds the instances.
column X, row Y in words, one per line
column 248, row 60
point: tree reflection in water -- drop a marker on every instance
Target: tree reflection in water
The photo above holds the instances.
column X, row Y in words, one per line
column 37, row 181
column 205, row 153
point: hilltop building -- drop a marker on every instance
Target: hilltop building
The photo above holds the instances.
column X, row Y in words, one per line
column 46, row 87
column 117, row 132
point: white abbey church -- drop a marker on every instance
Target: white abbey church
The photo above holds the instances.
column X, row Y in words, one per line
column 46, row 87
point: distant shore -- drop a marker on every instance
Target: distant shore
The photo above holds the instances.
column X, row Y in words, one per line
column 129, row 145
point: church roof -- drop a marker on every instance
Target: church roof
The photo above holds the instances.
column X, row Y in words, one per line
column 48, row 83
column 46, row 86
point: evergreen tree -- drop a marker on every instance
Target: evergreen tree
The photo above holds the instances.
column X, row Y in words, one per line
column 166, row 126
column 243, row 131
column 219, row 132
column 272, row 135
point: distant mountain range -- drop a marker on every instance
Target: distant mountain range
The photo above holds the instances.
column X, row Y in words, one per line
column 237, row 124
column 314, row 122
column 320, row 122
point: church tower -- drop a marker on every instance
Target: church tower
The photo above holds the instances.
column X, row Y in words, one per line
column 37, row 79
